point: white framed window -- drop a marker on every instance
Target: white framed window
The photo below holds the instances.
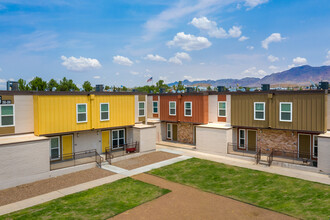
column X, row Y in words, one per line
column 169, row 131
column 55, row 152
column 7, row 115
column 188, row 109
column 118, row 138
column 259, row 111
column 104, row 112
column 81, row 112
column 155, row 107
column 286, row 111
column 172, row 108
column 142, row 109
column 222, row 109
column 241, row 138
column 315, row 146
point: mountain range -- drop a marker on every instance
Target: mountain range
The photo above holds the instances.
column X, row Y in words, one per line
column 296, row 76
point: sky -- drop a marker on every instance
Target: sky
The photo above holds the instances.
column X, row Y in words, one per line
column 125, row 42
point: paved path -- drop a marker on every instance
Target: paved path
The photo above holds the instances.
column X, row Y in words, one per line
column 236, row 161
column 184, row 202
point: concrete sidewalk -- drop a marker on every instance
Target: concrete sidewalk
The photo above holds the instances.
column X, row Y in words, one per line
column 236, row 161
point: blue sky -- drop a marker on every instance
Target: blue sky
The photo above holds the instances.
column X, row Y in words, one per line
column 124, row 42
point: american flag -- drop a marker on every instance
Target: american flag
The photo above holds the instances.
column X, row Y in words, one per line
column 150, row 79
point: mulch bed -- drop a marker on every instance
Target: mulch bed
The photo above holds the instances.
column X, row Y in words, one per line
column 30, row 190
column 144, row 160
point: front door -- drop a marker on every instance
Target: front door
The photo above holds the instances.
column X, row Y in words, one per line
column 304, row 146
column 105, row 140
column 169, row 134
column 252, row 140
column 67, row 141
column 175, row 132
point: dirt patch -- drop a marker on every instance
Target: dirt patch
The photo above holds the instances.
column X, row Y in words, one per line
column 144, row 160
column 29, row 190
column 186, row 202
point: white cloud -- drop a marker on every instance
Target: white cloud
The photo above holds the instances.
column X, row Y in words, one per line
column 211, row 28
column 163, row 78
column 134, row 73
column 190, row 78
column 3, row 80
column 327, row 62
column 155, row 58
column 80, row 64
column 177, row 59
column 243, row 38
column 96, row 77
column 189, row 42
column 273, row 68
column 272, row 58
column 291, row 66
column 254, row 72
column 299, row 61
column 274, row 37
column 253, row 3
column 250, row 47
column 117, row 73
column 40, row 41
column 122, row 60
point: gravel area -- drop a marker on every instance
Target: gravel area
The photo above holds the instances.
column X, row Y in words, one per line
column 144, row 160
column 26, row 191
column 186, row 202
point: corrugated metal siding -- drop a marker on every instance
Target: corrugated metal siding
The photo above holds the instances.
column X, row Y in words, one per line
column 308, row 111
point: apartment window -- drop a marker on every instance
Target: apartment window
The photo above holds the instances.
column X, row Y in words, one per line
column 7, row 115
column 169, row 131
column 172, row 108
column 141, row 109
column 118, row 138
column 286, row 111
column 81, row 113
column 315, row 145
column 242, row 138
column 222, row 109
column 259, row 111
column 187, row 108
column 55, row 148
column 104, row 112
column 155, row 107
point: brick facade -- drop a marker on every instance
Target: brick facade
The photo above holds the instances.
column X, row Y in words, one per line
column 277, row 139
column 186, row 133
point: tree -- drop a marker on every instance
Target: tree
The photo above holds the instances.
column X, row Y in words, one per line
column 67, row 85
column 161, row 84
column 37, row 84
column 22, row 85
column 180, row 86
column 124, row 89
column 52, row 84
column 107, row 87
column 87, row 86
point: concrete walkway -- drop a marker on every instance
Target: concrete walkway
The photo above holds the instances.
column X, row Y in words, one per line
column 236, row 161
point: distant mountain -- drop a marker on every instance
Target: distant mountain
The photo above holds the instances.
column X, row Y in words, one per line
column 301, row 75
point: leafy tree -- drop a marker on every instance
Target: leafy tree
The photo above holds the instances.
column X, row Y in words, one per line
column 209, row 88
column 67, row 85
column 87, row 86
column 22, row 85
column 180, row 86
column 37, row 84
column 124, row 89
column 52, row 84
column 107, row 87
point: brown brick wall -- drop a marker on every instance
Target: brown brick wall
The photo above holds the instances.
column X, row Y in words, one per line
column 186, row 133
column 277, row 139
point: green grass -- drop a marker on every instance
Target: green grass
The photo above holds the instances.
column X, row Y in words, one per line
column 97, row 203
column 295, row 197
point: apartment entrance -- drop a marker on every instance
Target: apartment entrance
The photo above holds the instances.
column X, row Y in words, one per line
column 172, row 131
column 105, row 140
column 304, row 145
column 252, row 140
column 67, row 146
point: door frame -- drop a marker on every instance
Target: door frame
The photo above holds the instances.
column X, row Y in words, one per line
column 171, row 125
column 102, row 140
column 247, row 138
column 61, row 144
column 310, row 139
column 239, row 139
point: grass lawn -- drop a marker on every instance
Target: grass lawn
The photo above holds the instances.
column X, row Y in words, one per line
column 97, row 203
column 295, row 197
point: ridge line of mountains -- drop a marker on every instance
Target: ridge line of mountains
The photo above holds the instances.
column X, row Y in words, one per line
column 296, row 76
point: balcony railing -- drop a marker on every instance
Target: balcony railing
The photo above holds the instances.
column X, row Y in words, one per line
column 121, row 150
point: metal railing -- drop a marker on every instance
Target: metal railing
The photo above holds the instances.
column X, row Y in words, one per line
column 258, row 156
column 270, row 158
column 121, row 150
column 241, row 150
column 77, row 158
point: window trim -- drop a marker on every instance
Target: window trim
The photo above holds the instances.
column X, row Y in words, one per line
column 286, row 111
column 186, row 109
column 144, row 108
column 154, row 107
column 105, row 103
column 117, row 138
column 59, row 148
column 13, row 125
column 313, row 155
column 264, row 111
column 239, row 138
column 169, row 106
column 171, row 125
column 81, row 112
column 222, row 108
